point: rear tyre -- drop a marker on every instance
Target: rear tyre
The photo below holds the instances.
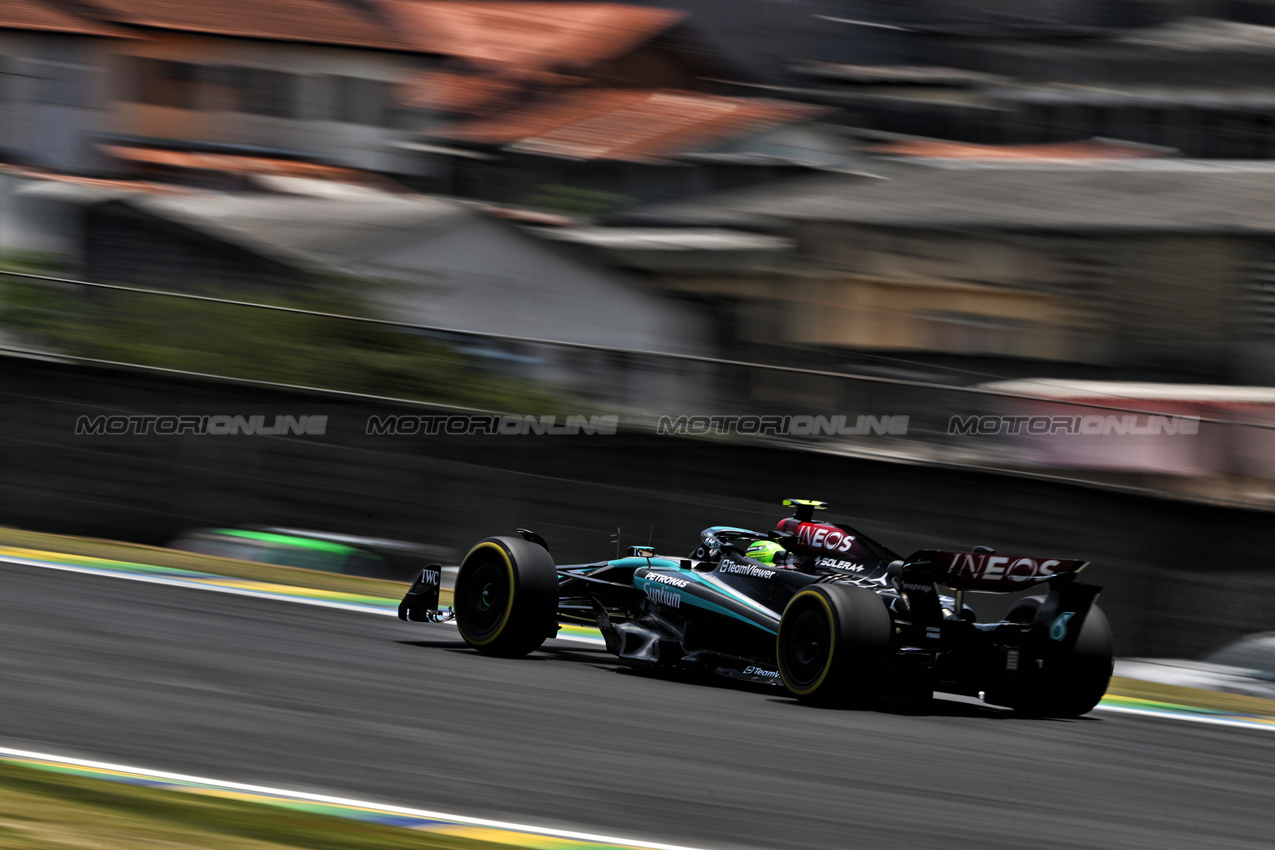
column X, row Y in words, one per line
column 506, row 597
column 834, row 645
column 1077, row 682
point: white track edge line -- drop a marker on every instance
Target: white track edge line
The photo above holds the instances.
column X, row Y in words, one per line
column 237, row 591
column 196, row 585
column 1190, row 718
column 342, row 801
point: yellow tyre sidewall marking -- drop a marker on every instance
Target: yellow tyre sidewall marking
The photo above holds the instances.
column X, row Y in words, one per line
column 509, row 606
column 832, row 643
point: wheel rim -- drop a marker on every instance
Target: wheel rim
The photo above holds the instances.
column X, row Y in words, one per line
column 480, row 604
column 806, row 650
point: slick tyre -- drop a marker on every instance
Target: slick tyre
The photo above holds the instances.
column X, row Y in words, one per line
column 1076, row 685
column 506, row 597
column 834, row 645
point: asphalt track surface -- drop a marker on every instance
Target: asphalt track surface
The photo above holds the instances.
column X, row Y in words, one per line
column 352, row 704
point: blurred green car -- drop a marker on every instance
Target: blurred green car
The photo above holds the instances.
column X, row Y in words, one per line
column 372, row 557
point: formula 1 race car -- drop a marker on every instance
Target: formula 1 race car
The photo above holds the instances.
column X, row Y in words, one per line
column 821, row 608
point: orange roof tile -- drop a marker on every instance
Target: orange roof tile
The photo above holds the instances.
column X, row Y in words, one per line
column 146, row 186
column 463, row 93
column 1090, row 150
column 44, row 17
column 448, row 91
column 237, row 164
column 309, row 21
column 628, row 124
column 529, row 35
column 540, row 219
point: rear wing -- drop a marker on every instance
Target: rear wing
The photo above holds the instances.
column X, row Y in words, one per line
column 988, row 571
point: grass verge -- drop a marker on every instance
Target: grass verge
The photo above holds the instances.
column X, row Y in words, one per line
column 135, row 553
column 1194, row 697
column 51, row 811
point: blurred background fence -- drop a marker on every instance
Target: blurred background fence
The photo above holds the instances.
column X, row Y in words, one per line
column 1206, row 441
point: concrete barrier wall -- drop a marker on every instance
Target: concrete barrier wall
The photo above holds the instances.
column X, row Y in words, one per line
column 1180, row 578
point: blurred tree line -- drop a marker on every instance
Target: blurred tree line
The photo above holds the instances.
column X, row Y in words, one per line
column 264, row 345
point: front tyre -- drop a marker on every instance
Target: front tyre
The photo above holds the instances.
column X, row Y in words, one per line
column 834, row 644
column 506, row 597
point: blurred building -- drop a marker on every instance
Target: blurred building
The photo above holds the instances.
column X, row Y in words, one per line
column 303, row 78
column 1146, row 263
column 419, row 259
column 589, row 105
column 617, row 147
column 503, row 100
column 1065, row 250
column 41, row 210
column 528, row 44
column 1192, row 76
column 52, row 86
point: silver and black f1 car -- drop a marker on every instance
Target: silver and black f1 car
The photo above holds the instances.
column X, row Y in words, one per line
column 821, row 608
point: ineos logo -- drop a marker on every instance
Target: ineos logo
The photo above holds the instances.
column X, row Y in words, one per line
column 1000, row 567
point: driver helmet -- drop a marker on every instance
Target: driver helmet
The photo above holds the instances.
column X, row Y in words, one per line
column 769, row 552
